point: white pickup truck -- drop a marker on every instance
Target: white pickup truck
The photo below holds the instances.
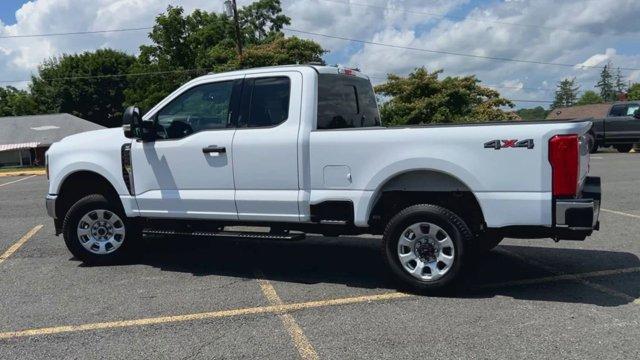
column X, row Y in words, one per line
column 300, row 149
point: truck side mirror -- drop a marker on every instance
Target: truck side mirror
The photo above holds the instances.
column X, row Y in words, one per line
column 132, row 123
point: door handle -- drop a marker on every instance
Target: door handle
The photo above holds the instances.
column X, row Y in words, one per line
column 214, row 149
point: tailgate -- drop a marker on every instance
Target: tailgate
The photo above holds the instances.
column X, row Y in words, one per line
column 585, row 157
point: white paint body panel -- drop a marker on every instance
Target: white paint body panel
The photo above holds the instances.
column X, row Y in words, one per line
column 276, row 174
column 266, row 163
column 512, row 186
column 176, row 179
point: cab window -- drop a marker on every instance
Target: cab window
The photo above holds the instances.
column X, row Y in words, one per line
column 618, row 110
column 631, row 110
column 265, row 102
column 203, row 107
column 346, row 102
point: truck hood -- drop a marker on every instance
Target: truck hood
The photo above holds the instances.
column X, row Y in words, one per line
column 91, row 140
column 114, row 134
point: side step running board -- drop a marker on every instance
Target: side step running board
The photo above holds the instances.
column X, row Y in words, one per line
column 229, row 234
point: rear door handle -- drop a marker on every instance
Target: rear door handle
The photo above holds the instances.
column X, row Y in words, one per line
column 214, row 149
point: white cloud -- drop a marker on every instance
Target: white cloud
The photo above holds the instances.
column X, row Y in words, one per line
column 556, row 37
column 569, row 32
column 597, row 59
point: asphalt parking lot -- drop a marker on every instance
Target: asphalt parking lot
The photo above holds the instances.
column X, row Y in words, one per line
column 321, row 297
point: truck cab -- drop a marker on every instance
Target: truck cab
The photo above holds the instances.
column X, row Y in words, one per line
column 620, row 128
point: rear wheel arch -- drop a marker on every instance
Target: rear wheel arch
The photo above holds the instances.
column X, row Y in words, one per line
column 426, row 186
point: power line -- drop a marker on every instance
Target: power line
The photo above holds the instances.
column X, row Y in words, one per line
column 86, row 77
column 487, row 85
column 446, row 16
column 73, row 33
column 532, row 101
column 444, row 52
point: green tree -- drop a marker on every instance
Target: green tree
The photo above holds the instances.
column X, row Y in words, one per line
column 606, row 84
column 536, row 113
column 88, row 85
column 15, row 102
column 262, row 20
column 186, row 46
column 566, row 93
column 422, row 98
column 589, row 97
column 634, row 92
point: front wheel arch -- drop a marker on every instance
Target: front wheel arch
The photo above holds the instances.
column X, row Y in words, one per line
column 80, row 184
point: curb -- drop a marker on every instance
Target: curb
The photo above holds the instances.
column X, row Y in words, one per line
column 23, row 173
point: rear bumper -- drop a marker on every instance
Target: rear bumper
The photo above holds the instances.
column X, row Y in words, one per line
column 580, row 214
column 573, row 219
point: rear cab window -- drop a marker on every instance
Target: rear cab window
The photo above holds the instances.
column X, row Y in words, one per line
column 346, row 102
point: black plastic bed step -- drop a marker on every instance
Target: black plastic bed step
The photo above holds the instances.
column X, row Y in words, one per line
column 229, row 234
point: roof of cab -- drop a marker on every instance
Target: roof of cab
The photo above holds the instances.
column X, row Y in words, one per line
column 320, row 69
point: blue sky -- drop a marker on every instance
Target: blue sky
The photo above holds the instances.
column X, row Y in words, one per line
column 8, row 10
column 588, row 32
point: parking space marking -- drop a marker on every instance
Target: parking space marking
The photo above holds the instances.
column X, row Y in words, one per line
column 270, row 309
column 302, row 344
column 15, row 181
column 621, row 213
column 574, row 277
column 19, row 243
column 284, row 308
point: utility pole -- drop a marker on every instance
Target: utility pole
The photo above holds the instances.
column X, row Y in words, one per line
column 231, row 9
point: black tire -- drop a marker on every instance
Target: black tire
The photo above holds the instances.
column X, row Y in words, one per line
column 623, row 148
column 591, row 141
column 72, row 221
column 453, row 225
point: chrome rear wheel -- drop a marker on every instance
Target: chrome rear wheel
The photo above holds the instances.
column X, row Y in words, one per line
column 426, row 251
column 425, row 248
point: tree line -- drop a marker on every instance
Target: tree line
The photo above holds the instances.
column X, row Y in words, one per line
column 611, row 87
column 98, row 85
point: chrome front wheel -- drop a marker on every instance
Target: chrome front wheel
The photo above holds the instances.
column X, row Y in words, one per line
column 101, row 231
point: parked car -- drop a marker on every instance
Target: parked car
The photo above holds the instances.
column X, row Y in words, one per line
column 620, row 129
column 300, row 149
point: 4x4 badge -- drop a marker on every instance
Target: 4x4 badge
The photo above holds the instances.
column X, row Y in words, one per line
column 509, row 143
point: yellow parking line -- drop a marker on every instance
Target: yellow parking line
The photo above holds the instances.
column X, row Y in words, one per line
column 283, row 308
column 621, row 213
column 271, row 309
column 302, row 344
column 15, row 181
column 19, row 243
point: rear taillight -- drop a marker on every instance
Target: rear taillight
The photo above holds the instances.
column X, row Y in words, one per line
column 564, row 156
